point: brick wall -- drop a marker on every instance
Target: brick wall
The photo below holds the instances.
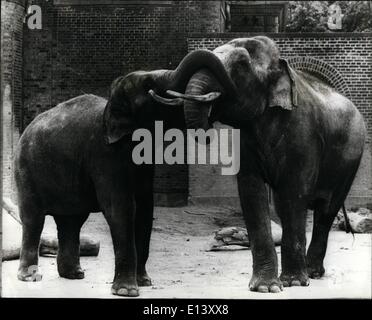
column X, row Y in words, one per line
column 83, row 47
column 343, row 60
column 11, row 86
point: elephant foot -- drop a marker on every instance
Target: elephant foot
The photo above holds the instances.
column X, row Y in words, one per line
column 71, row 272
column 29, row 274
column 315, row 270
column 265, row 284
column 144, row 280
column 294, row 279
column 121, row 288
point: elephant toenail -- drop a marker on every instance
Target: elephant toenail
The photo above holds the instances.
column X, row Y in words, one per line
column 263, row 289
column 275, row 289
column 285, row 284
column 295, row 283
column 122, row 292
column 133, row 293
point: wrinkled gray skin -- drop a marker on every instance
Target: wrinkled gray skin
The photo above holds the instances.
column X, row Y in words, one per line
column 298, row 135
column 76, row 158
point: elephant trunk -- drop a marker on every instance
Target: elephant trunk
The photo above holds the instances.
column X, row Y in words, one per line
column 175, row 81
column 196, row 112
column 196, row 60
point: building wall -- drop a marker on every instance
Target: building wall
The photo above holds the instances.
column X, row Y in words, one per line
column 12, row 13
column 345, row 60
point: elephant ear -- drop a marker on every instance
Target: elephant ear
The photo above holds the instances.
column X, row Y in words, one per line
column 118, row 120
column 283, row 92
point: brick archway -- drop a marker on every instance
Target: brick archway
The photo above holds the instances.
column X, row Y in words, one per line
column 323, row 70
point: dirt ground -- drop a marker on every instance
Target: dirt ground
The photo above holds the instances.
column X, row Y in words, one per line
column 181, row 267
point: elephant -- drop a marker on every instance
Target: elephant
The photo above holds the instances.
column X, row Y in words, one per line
column 298, row 135
column 76, row 158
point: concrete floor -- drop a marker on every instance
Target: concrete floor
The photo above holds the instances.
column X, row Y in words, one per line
column 181, row 268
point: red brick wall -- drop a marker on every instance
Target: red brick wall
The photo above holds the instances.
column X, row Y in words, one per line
column 344, row 60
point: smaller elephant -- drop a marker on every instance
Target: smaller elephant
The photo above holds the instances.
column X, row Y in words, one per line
column 76, row 158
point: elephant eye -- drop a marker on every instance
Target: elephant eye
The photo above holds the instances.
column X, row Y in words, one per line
column 139, row 101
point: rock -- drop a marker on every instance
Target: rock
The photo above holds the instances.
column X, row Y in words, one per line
column 236, row 238
column 364, row 211
column 224, row 232
column 360, row 220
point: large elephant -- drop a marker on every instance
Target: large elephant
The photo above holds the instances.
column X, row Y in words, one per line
column 298, row 135
column 76, row 158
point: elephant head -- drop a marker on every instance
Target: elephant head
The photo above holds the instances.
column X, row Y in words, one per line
column 135, row 99
column 256, row 78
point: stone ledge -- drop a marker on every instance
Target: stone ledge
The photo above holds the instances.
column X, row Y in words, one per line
column 231, row 35
column 109, row 2
column 234, row 202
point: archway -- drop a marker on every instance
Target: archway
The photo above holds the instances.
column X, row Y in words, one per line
column 323, row 71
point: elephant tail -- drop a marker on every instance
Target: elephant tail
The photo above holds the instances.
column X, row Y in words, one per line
column 348, row 227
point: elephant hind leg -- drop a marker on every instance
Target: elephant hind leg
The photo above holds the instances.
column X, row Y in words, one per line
column 323, row 219
column 32, row 225
column 324, row 215
column 68, row 258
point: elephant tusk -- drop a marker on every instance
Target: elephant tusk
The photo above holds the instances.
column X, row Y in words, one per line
column 209, row 97
column 169, row 102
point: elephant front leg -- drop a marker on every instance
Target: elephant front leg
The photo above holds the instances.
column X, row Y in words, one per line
column 293, row 249
column 121, row 218
column 254, row 202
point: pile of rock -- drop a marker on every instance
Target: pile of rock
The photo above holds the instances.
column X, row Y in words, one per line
column 360, row 220
column 236, row 238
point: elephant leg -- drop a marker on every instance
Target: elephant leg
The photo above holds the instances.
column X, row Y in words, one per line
column 323, row 219
column 254, row 202
column 144, row 220
column 32, row 226
column 293, row 249
column 324, row 215
column 68, row 257
column 120, row 216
